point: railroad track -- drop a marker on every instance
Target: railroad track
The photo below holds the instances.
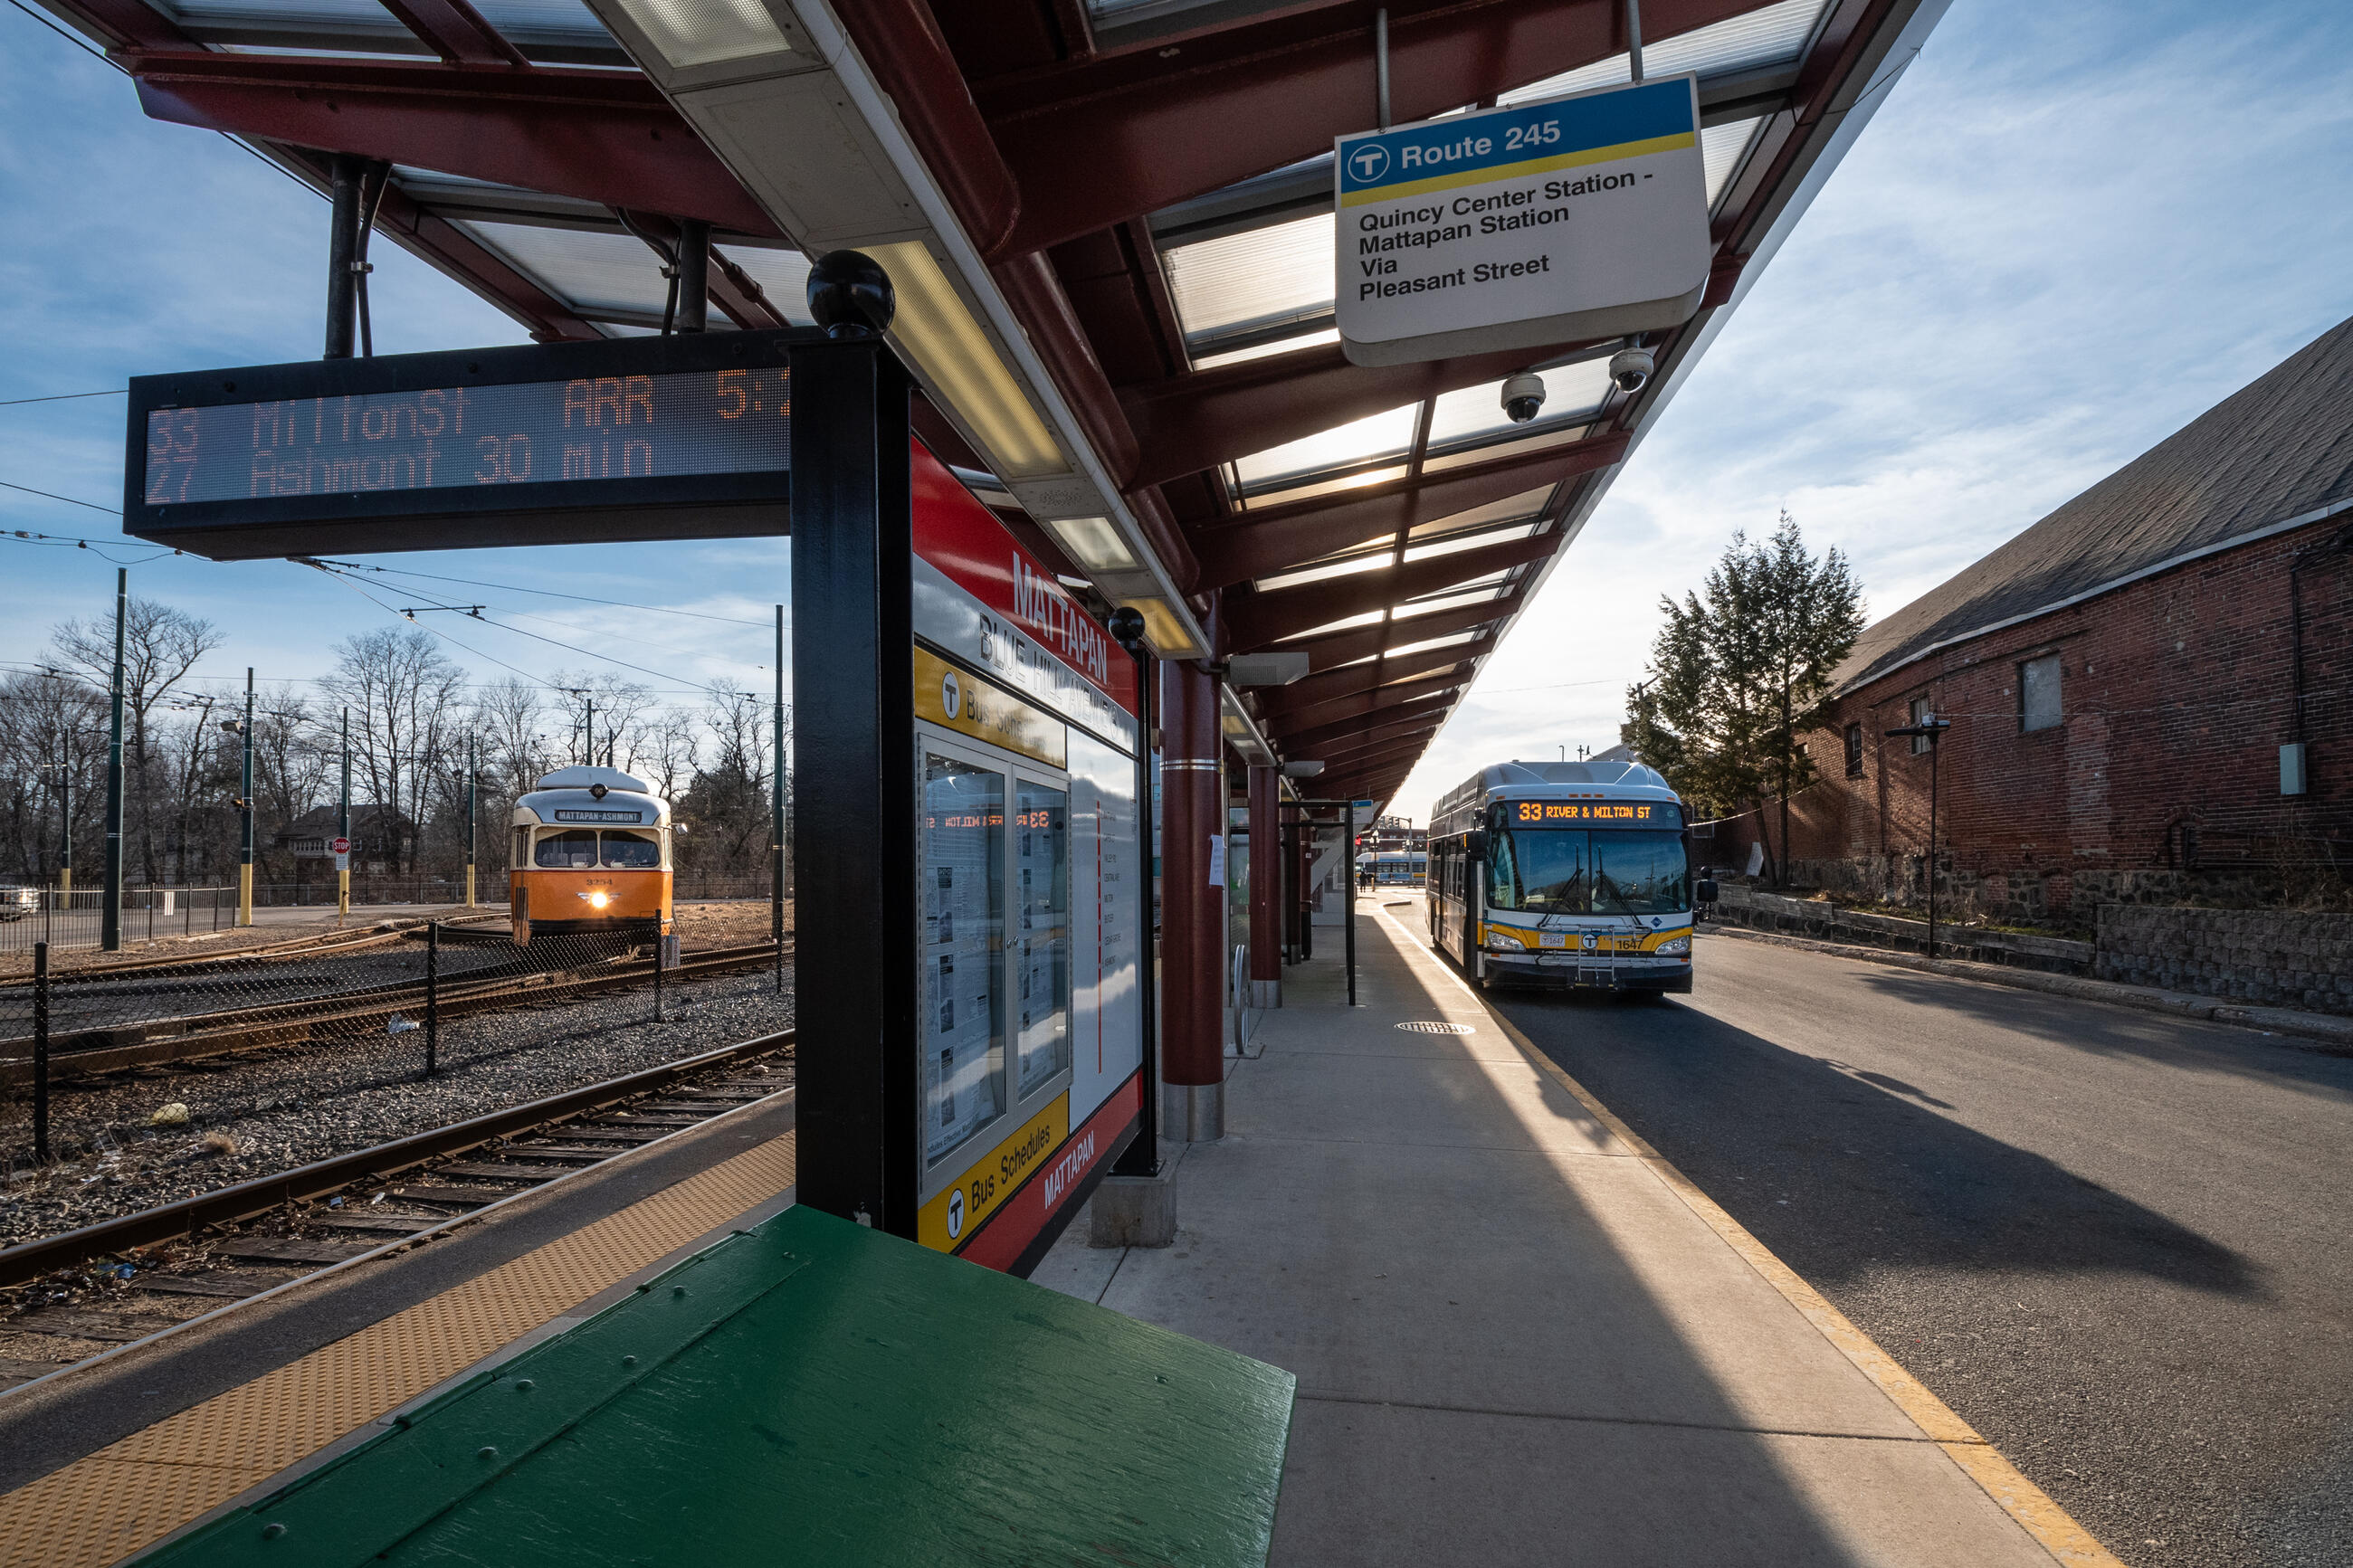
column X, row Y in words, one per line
column 154, row 1042
column 226, row 1247
column 16, row 968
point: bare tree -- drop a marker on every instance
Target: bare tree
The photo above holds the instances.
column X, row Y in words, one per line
column 406, row 694
column 161, row 645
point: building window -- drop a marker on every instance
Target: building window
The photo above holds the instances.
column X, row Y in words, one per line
column 1922, row 710
column 1854, row 750
column 2038, row 693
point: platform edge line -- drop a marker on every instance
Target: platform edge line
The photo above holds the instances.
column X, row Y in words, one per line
column 2051, row 1527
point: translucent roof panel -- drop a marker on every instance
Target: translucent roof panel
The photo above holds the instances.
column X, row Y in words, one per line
column 1573, row 391
column 593, row 270
column 1369, row 618
column 1463, row 457
column 1261, row 351
column 1449, row 546
column 1261, row 277
column 1720, row 147
column 782, row 275
column 1527, row 503
column 1385, row 435
column 1766, row 37
column 1347, row 568
column 1456, row 640
column 561, row 25
column 525, row 21
column 1307, row 489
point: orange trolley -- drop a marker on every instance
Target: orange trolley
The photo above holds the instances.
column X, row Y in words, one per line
column 590, row 853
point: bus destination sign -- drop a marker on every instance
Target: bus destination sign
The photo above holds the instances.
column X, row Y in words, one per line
column 1553, row 813
column 648, row 438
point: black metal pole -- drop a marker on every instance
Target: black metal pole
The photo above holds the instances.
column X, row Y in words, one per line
column 776, row 816
column 661, row 952
column 109, row 920
column 693, row 275
column 342, row 256
column 41, row 1052
column 1348, row 919
column 1142, row 1157
column 432, row 997
column 245, row 848
column 473, row 838
column 854, row 844
column 1935, row 752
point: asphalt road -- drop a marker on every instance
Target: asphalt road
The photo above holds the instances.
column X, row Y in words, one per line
column 2116, row 1243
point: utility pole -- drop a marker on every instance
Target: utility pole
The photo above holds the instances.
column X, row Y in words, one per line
column 473, row 771
column 344, row 828
column 589, row 729
column 776, row 810
column 109, row 920
column 245, row 801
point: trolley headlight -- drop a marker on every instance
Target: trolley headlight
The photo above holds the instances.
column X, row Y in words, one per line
column 595, row 901
column 1674, row 947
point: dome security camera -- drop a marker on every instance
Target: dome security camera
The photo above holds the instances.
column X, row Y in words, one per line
column 1630, row 368
column 1523, row 395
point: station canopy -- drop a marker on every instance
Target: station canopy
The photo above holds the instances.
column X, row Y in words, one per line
column 1110, row 224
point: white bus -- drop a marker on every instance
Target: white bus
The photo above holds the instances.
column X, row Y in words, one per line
column 1569, row 874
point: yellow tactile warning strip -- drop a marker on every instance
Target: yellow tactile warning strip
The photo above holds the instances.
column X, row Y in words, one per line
column 2052, row 1528
column 132, row 1493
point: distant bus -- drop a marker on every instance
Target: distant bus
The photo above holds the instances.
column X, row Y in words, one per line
column 1569, row 874
column 1395, row 868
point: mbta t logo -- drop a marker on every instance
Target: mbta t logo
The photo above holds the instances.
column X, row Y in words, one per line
column 1369, row 162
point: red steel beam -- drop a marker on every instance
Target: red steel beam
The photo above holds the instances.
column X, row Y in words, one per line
column 1353, row 731
column 1254, row 619
column 606, row 136
column 900, row 42
column 1336, row 649
column 1190, row 113
column 1317, row 692
column 1364, row 703
column 1374, row 751
column 1276, row 538
column 128, row 25
column 1204, row 417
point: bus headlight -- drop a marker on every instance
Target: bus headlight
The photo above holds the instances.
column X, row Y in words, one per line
column 1674, row 947
column 1500, row 943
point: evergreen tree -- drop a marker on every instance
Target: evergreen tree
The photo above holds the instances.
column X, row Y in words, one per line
column 1741, row 673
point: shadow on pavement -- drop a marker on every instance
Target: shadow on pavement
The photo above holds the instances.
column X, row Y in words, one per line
column 1779, row 1137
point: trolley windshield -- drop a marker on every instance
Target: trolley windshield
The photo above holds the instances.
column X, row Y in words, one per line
column 1581, row 871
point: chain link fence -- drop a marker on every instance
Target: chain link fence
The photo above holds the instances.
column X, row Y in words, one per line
column 67, row 1012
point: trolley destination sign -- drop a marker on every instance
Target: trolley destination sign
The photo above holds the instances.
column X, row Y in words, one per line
column 1583, row 217
column 644, row 439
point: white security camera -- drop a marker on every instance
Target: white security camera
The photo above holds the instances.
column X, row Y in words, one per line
column 1630, row 368
column 1523, row 395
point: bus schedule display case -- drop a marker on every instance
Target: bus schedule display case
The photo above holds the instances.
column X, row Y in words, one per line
column 1027, row 866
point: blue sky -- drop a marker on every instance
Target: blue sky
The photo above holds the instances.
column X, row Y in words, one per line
column 2068, row 230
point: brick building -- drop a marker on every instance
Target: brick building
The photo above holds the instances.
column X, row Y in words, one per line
column 2148, row 689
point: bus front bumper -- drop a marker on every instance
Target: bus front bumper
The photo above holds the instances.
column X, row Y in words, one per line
column 1592, row 971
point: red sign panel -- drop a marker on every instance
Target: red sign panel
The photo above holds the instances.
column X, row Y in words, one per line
column 962, row 537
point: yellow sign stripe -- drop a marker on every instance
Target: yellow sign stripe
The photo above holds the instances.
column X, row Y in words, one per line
column 956, row 1211
column 1498, row 171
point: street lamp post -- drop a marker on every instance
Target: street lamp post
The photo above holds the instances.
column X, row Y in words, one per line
column 1933, row 727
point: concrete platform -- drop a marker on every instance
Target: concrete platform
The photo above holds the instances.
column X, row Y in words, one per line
column 1520, row 1336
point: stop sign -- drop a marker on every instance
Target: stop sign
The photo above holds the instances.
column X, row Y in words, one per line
column 340, row 846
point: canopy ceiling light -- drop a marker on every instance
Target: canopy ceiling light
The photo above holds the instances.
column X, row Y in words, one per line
column 691, row 33
column 1094, row 543
column 945, row 345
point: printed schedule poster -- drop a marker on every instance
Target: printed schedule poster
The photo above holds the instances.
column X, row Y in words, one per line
column 963, row 922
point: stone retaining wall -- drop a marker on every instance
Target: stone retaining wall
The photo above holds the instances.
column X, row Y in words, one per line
column 2273, row 958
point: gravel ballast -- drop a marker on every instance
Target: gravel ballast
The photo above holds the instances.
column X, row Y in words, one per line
column 271, row 1111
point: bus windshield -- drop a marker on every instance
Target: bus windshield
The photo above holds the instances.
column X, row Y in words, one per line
column 1557, row 871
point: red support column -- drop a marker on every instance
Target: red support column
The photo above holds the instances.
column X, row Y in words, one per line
column 1265, row 888
column 1192, row 939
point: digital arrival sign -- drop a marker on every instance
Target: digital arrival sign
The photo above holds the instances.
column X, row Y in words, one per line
column 686, row 437
column 1583, row 216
